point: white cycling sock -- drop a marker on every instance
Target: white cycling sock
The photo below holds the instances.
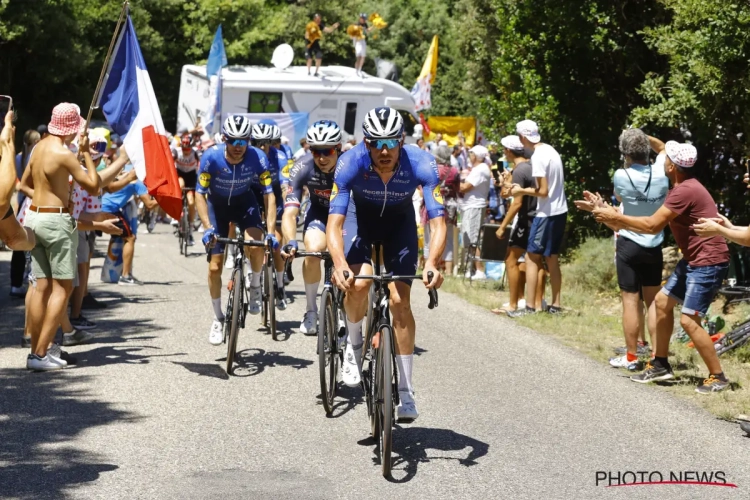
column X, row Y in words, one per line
column 355, row 332
column 280, row 278
column 255, row 280
column 217, row 309
column 311, row 292
column 404, row 363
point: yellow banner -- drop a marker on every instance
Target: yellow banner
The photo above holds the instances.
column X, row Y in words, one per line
column 450, row 126
column 430, row 64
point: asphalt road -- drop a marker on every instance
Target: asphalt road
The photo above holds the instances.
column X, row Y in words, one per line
column 505, row 412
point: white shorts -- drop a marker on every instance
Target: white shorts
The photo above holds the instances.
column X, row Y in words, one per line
column 360, row 48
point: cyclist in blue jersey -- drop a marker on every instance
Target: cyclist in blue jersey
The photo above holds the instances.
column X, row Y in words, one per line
column 288, row 153
column 225, row 195
column 262, row 135
column 371, row 201
column 313, row 171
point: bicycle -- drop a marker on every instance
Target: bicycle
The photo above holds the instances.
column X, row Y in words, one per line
column 734, row 339
column 239, row 296
column 331, row 330
column 379, row 376
column 183, row 228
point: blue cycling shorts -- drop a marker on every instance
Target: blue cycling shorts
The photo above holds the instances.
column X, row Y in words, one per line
column 316, row 218
column 242, row 211
column 396, row 231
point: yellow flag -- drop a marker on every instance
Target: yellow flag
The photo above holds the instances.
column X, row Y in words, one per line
column 430, row 64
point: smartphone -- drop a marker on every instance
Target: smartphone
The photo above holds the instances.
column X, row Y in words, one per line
column 6, row 103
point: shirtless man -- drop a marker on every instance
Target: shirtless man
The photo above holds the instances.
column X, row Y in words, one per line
column 11, row 232
column 54, row 256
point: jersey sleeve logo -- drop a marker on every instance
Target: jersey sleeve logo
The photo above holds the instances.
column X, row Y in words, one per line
column 204, row 179
column 334, row 191
column 286, row 169
column 265, row 178
column 437, row 195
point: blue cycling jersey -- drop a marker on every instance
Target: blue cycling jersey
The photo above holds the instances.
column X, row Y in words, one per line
column 220, row 179
column 354, row 173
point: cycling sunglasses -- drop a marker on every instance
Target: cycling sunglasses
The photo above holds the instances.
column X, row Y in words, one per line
column 261, row 143
column 323, row 152
column 237, row 142
column 383, row 143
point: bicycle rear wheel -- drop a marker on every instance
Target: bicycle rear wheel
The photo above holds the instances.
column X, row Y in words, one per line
column 234, row 306
column 327, row 351
column 185, row 233
column 384, row 407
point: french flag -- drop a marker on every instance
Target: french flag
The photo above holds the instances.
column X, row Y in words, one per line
column 129, row 104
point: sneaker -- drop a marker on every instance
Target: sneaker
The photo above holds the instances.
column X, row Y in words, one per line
column 350, row 369
column 642, row 350
column 622, row 362
column 129, row 280
column 151, row 226
column 201, row 229
column 191, row 242
column 309, row 325
column 554, row 310
column 229, row 264
column 652, row 374
column 81, row 323
column 467, row 275
column 43, row 364
column 89, row 302
column 712, row 384
column 479, row 276
column 256, row 299
column 521, row 312
column 65, row 356
column 76, row 337
column 26, row 341
column 216, row 335
column 18, row 291
column 280, row 299
column 406, row 411
column 286, row 279
column 174, row 223
column 521, row 304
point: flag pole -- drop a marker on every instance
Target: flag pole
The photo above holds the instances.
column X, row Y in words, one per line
column 106, row 62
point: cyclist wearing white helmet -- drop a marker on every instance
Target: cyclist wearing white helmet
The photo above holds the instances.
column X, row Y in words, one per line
column 313, row 171
column 262, row 136
column 225, row 196
column 371, row 201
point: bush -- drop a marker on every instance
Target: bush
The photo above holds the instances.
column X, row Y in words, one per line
column 592, row 267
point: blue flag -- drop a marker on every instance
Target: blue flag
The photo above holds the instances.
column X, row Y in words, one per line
column 217, row 59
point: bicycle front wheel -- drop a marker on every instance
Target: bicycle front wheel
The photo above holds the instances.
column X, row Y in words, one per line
column 233, row 317
column 185, row 237
column 384, row 406
column 327, row 351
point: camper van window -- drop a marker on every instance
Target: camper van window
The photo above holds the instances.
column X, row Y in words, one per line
column 350, row 119
column 264, row 102
column 409, row 121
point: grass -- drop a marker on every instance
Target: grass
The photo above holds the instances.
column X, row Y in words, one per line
column 592, row 325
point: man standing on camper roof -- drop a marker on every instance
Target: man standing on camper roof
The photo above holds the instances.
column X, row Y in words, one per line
column 313, row 33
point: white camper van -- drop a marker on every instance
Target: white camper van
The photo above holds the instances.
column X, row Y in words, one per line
column 337, row 95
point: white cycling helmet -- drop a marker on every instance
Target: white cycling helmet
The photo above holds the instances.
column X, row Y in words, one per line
column 324, row 133
column 236, row 127
column 262, row 132
column 275, row 133
column 383, row 123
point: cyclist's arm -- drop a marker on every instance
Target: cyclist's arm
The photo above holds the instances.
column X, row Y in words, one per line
column 202, row 206
column 433, row 201
column 335, row 239
column 270, row 200
column 289, row 224
column 201, row 190
column 292, row 204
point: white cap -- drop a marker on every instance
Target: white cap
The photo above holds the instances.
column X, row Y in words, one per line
column 443, row 143
column 284, row 139
column 528, row 129
column 479, row 151
column 512, row 142
column 682, row 155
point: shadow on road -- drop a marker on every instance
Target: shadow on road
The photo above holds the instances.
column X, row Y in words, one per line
column 415, row 445
column 41, row 414
column 254, row 361
column 204, row 369
column 347, row 398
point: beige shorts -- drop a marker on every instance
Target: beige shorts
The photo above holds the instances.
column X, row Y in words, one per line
column 54, row 255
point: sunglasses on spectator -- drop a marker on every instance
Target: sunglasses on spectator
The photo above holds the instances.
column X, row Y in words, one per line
column 237, row 142
column 383, row 143
column 323, row 152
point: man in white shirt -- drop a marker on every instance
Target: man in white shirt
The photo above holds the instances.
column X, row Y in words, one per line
column 548, row 228
column 475, row 188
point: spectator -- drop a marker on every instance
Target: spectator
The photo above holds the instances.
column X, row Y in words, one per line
column 303, row 149
column 548, row 227
column 42, row 130
column 520, row 217
column 11, row 232
column 19, row 259
column 313, row 33
column 54, row 256
column 698, row 275
column 449, row 185
column 117, row 196
column 360, row 43
column 641, row 188
column 457, row 159
column 420, row 144
column 475, row 188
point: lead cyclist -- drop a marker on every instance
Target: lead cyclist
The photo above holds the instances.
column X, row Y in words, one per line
column 371, row 201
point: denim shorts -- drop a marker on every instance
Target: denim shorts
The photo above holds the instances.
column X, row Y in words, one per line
column 695, row 287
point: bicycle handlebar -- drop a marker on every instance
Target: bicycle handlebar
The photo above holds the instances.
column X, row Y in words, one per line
column 300, row 253
column 243, row 242
column 387, row 278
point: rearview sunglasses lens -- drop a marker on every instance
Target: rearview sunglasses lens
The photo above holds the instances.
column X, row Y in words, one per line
column 238, row 142
column 323, row 152
column 384, row 143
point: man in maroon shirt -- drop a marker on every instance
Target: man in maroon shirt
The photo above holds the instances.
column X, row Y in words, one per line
column 698, row 275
